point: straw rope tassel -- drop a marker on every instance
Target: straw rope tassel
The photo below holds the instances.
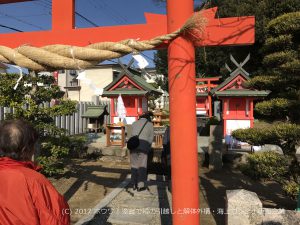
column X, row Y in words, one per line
column 51, row 57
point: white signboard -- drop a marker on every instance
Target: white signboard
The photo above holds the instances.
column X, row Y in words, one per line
column 232, row 125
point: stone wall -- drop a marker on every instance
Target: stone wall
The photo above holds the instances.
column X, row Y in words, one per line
column 244, row 208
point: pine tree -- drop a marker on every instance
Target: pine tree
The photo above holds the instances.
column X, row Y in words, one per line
column 281, row 75
column 282, row 69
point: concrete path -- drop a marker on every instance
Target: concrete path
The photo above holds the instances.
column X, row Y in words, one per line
column 147, row 207
column 151, row 207
column 128, row 207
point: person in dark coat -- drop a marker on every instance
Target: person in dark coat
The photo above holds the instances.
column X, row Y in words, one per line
column 139, row 156
column 166, row 154
column 26, row 196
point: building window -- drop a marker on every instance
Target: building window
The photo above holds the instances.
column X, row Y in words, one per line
column 71, row 79
column 73, row 72
column 74, row 82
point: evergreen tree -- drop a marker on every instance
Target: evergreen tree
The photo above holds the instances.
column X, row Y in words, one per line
column 281, row 64
column 27, row 102
column 281, row 69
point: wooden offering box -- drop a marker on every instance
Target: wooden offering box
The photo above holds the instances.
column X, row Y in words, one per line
column 115, row 135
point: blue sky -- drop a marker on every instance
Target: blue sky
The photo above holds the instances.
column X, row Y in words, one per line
column 36, row 15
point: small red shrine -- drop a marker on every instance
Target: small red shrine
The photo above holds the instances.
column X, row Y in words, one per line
column 237, row 99
column 134, row 91
column 203, row 98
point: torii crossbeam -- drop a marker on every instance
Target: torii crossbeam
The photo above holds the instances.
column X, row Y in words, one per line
column 222, row 31
column 181, row 64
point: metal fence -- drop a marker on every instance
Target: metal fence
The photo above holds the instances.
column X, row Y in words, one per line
column 74, row 123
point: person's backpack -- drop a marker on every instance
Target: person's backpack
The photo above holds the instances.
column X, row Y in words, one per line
column 134, row 141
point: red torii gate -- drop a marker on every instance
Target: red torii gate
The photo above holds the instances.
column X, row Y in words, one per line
column 181, row 62
column 208, row 85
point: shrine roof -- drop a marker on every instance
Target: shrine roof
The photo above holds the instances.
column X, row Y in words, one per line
column 204, row 94
column 241, row 93
column 135, row 77
column 94, row 111
column 227, row 81
column 121, row 91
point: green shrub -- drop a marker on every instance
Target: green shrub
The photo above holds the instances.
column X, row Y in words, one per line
column 50, row 165
column 54, row 149
column 78, row 145
column 286, row 135
column 291, row 189
column 255, row 136
column 275, row 108
column 270, row 165
column 52, row 156
column 283, row 169
column 55, row 145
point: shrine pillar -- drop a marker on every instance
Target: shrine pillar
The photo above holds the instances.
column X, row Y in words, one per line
column 182, row 91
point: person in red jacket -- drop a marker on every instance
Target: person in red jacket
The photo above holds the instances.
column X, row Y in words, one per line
column 26, row 196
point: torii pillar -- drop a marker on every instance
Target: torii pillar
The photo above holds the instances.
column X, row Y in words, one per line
column 182, row 92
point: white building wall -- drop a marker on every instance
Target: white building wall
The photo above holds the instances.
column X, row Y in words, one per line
column 74, row 95
column 62, row 81
column 99, row 77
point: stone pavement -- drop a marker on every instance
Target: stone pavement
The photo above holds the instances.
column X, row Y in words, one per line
column 147, row 207
column 130, row 207
column 151, row 207
column 125, row 206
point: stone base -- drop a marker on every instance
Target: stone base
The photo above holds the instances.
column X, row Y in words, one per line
column 243, row 208
column 280, row 216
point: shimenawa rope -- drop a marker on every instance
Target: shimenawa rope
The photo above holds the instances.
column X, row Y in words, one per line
column 51, row 57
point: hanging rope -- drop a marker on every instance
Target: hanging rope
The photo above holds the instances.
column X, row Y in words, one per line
column 52, row 57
